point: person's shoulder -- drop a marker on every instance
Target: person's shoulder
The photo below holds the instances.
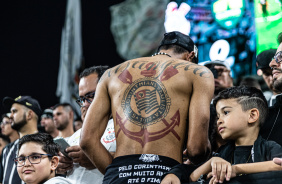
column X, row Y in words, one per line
column 58, row 180
column 271, row 144
column 11, row 145
column 197, row 70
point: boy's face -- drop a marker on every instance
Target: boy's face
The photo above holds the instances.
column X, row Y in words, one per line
column 35, row 173
column 232, row 120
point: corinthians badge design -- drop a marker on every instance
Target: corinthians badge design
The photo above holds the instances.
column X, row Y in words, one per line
column 146, row 102
column 150, row 98
column 149, row 158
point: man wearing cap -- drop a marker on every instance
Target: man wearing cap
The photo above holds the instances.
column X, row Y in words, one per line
column 263, row 61
column 48, row 123
column 221, row 72
column 155, row 102
column 25, row 112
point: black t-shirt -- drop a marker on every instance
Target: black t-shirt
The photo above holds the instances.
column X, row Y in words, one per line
column 272, row 127
column 242, row 154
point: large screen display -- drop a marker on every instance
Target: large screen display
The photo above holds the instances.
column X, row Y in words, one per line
column 224, row 30
column 268, row 20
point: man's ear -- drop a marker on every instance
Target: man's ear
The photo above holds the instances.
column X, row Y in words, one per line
column 253, row 115
column 29, row 114
column 188, row 56
column 54, row 163
column 71, row 114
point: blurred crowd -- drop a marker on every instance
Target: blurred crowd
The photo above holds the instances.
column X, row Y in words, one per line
column 28, row 132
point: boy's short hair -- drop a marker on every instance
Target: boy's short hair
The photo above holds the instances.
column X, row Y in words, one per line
column 44, row 139
column 248, row 98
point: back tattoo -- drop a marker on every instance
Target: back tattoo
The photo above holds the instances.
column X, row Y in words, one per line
column 146, row 102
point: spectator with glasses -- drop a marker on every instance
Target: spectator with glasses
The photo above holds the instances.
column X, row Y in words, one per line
column 263, row 60
column 25, row 113
column 273, row 127
column 6, row 128
column 37, row 159
column 80, row 169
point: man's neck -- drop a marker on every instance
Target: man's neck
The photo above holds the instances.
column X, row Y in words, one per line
column 29, row 128
column 14, row 136
column 30, row 131
column 55, row 133
column 66, row 132
column 172, row 54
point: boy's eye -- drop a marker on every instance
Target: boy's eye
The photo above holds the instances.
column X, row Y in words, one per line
column 35, row 157
column 225, row 112
column 20, row 159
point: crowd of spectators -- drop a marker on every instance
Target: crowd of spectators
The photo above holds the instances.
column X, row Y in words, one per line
column 28, row 132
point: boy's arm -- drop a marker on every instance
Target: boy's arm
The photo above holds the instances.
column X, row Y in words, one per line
column 257, row 167
column 221, row 169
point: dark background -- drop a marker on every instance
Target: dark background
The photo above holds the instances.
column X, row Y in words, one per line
column 30, row 38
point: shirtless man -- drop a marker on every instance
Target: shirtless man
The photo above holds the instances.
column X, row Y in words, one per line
column 155, row 101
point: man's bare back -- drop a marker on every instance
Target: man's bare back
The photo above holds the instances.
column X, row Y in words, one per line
column 158, row 103
column 150, row 99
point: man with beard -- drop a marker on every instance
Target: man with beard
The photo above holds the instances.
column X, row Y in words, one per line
column 272, row 127
column 24, row 116
column 263, row 60
column 63, row 117
column 221, row 72
column 48, row 123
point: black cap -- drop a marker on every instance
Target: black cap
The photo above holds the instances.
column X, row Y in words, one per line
column 47, row 113
column 210, row 64
column 27, row 101
column 182, row 40
column 264, row 58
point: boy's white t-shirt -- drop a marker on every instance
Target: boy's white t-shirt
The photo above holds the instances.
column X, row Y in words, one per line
column 82, row 175
column 58, row 180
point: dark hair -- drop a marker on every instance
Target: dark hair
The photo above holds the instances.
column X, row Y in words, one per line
column 44, row 139
column 66, row 106
column 5, row 116
column 247, row 97
column 213, row 128
column 94, row 69
column 250, row 81
column 279, row 38
column 178, row 50
column 5, row 138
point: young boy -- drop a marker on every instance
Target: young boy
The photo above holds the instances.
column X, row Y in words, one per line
column 38, row 159
column 241, row 111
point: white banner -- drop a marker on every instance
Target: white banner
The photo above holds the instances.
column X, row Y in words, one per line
column 71, row 55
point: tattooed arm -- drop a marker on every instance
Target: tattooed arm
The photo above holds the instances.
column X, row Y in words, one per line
column 94, row 126
column 198, row 146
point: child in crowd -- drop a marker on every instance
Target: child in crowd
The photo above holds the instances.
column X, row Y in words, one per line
column 38, row 159
column 241, row 112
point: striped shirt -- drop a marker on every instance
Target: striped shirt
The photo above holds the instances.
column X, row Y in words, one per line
column 9, row 174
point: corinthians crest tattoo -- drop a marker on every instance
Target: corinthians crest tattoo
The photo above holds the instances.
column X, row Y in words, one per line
column 146, row 101
column 150, row 98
